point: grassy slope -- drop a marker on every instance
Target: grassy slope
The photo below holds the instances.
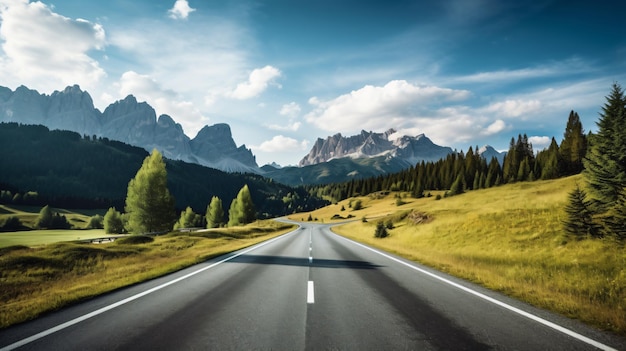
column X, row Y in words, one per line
column 28, row 216
column 509, row 239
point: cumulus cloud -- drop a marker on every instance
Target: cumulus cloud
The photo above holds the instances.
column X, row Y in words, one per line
column 540, row 142
column 291, row 109
column 281, row 143
column 45, row 50
column 164, row 101
column 514, row 108
column 495, row 127
column 257, row 83
column 379, row 107
column 181, row 10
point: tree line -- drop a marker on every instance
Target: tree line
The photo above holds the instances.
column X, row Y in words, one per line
column 598, row 207
column 464, row 171
column 67, row 170
column 150, row 207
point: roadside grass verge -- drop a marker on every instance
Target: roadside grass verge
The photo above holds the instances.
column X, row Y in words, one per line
column 44, row 237
column 41, row 279
column 509, row 239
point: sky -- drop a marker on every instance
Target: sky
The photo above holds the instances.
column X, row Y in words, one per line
column 283, row 73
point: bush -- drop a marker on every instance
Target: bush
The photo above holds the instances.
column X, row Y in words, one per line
column 95, row 222
column 10, row 224
column 381, row 231
column 357, row 205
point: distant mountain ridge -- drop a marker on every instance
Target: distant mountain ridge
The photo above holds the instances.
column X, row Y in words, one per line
column 128, row 121
column 136, row 123
column 368, row 145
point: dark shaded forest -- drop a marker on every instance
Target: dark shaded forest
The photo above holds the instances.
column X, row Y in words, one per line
column 65, row 169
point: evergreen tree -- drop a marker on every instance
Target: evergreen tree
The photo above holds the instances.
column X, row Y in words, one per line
column 457, row 186
column 113, row 223
column 550, row 161
column 524, row 170
column 579, row 217
column 215, row 213
column 615, row 219
column 242, row 209
column 188, row 219
column 605, row 164
column 574, row 146
column 149, row 204
column 381, row 230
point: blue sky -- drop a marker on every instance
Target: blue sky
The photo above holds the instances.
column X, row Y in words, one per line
column 283, row 73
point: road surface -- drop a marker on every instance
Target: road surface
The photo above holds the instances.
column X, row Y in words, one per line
column 306, row 290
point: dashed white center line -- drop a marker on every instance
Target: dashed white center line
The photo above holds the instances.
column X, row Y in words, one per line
column 310, row 295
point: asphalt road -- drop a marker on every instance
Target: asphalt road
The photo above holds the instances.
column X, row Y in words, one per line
column 307, row 290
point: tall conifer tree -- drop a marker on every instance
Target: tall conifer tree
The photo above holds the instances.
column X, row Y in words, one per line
column 149, row 204
column 605, row 164
column 215, row 213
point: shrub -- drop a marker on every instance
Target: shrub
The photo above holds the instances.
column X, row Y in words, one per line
column 381, row 231
column 11, row 223
column 357, row 205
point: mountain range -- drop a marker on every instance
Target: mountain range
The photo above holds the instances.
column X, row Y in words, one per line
column 128, row 121
column 334, row 159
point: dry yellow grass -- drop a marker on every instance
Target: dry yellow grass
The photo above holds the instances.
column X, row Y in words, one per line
column 36, row 280
column 509, row 239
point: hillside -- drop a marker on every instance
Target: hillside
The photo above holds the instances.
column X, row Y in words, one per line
column 72, row 171
column 336, row 171
column 508, row 238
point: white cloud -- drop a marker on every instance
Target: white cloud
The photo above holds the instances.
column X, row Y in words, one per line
column 379, row 108
column 495, row 127
column 164, row 101
column 514, row 108
column 281, row 143
column 45, row 50
column 540, row 142
column 291, row 109
column 291, row 126
column 573, row 65
column 181, row 10
column 257, row 83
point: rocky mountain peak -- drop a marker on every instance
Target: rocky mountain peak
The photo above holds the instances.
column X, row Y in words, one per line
column 370, row 144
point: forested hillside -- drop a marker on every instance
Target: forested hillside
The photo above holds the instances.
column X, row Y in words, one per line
column 463, row 171
column 68, row 170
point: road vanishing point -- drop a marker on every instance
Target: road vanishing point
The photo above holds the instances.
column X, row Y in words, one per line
column 309, row 289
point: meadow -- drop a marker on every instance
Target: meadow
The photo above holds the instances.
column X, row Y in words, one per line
column 34, row 280
column 509, row 239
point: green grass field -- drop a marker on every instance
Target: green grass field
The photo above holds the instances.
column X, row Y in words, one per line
column 507, row 238
column 44, row 237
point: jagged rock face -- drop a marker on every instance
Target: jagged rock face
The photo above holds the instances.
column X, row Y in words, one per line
column 171, row 140
column 214, row 145
column 368, row 144
column 24, row 106
column 128, row 121
column 72, row 109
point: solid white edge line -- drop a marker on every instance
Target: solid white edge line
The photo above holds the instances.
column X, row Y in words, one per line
column 310, row 294
column 492, row 300
column 82, row 318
